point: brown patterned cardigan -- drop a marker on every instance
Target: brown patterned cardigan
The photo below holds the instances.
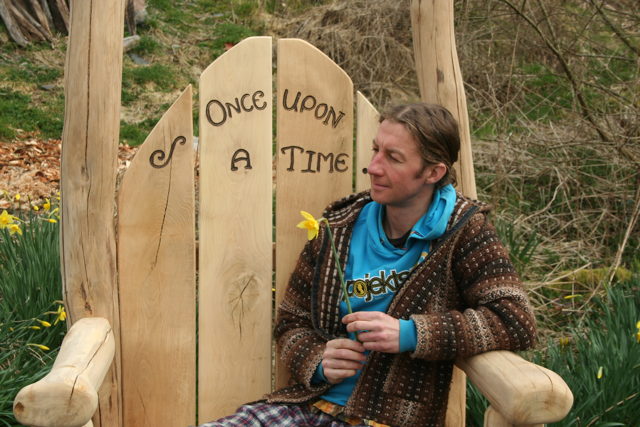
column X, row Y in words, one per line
column 465, row 299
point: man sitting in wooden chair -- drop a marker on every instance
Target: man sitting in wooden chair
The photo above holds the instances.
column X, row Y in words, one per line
column 427, row 281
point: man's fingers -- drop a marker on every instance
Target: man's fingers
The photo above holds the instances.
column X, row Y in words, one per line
column 345, row 344
column 362, row 325
column 340, row 364
column 335, row 376
column 362, row 315
column 344, row 354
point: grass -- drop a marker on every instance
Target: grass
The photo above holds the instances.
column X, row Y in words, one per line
column 18, row 111
column 31, row 328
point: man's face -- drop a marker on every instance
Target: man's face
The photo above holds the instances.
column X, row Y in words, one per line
column 399, row 176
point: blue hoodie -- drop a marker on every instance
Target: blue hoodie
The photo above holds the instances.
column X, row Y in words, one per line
column 376, row 270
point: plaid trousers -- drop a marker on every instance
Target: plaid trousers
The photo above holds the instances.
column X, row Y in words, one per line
column 277, row 415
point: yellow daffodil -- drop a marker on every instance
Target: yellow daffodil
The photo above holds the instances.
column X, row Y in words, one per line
column 35, row 328
column 310, row 224
column 17, row 196
column 44, row 323
column 14, row 228
column 564, row 341
column 52, row 220
column 6, row 219
column 61, row 315
column 40, row 346
column 600, row 372
column 36, row 208
column 47, row 205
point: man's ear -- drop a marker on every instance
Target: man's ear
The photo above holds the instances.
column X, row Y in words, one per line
column 434, row 173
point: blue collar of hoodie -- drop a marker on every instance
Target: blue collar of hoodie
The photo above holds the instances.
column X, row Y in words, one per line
column 431, row 225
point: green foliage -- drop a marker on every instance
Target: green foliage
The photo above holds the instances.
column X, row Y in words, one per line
column 163, row 77
column 607, row 339
column 31, row 73
column 521, row 245
column 147, row 46
column 599, row 359
column 17, row 110
column 547, row 94
column 30, row 266
column 30, row 290
column 135, row 133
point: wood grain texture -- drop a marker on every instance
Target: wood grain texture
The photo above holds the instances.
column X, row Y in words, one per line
column 440, row 82
column 93, row 76
column 235, row 228
column 522, row 392
column 156, row 267
column 315, row 147
column 68, row 394
column 366, row 130
column 439, row 75
column 493, row 418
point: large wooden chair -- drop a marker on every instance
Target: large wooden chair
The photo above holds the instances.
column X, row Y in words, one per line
column 145, row 339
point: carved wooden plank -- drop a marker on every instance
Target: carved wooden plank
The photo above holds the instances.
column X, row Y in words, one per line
column 93, row 76
column 235, row 228
column 156, row 266
column 366, row 130
column 315, row 146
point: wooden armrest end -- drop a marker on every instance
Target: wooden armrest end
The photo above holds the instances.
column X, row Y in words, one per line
column 521, row 391
column 68, row 395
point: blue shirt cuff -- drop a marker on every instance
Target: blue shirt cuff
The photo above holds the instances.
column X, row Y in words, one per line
column 318, row 376
column 408, row 335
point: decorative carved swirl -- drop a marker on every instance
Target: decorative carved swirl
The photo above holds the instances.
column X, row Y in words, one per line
column 158, row 156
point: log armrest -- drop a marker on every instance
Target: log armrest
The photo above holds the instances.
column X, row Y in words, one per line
column 68, row 396
column 522, row 392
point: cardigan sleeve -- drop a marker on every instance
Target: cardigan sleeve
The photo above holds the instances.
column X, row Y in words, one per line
column 300, row 346
column 494, row 313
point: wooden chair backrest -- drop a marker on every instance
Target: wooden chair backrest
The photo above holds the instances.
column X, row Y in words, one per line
column 314, row 165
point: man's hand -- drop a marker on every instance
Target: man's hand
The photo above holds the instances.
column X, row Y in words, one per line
column 380, row 332
column 341, row 359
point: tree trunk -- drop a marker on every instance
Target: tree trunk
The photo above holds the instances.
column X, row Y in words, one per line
column 36, row 20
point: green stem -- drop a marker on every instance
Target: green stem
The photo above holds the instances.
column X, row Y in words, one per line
column 335, row 255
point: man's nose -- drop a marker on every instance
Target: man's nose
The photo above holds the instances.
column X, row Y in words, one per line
column 374, row 166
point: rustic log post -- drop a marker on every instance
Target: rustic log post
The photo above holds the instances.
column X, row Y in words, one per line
column 93, row 78
column 441, row 83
